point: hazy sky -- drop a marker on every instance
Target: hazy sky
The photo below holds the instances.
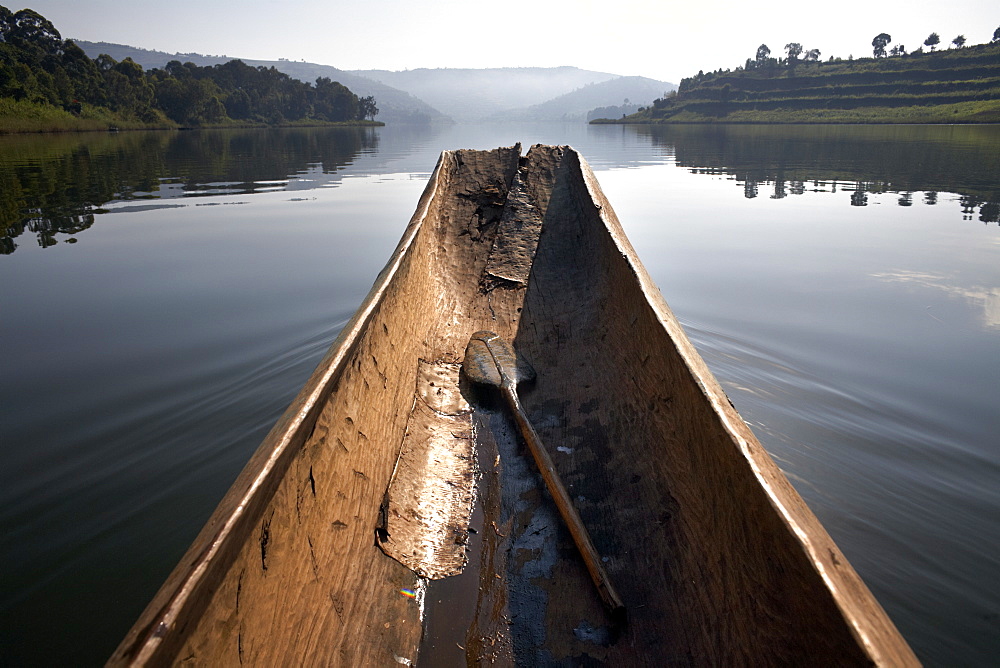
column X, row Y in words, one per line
column 661, row 40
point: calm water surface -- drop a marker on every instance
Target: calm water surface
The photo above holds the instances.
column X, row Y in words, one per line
column 166, row 294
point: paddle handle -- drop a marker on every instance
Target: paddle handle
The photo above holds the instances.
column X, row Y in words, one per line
column 572, row 519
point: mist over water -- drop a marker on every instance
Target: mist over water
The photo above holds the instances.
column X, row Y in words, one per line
column 166, row 295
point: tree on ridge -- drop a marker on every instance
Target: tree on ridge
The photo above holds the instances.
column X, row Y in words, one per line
column 763, row 52
column 879, row 44
column 932, row 40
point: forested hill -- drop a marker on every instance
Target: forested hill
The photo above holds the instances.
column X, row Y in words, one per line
column 394, row 105
column 959, row 85
column 47, row 83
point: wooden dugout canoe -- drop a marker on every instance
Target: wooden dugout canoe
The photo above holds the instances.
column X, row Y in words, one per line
column 717, row 558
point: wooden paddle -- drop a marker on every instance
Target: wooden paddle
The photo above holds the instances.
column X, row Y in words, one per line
column 489, row 360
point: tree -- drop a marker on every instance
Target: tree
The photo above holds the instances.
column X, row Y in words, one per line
column 794, row 50
column 29, row 29
column 367, row 108
column 959, row 41
column 813, row 55
column 334, row 102
column 996, row 35
column 238, row 104
column 879, row 44
column 763, row 53
column 932, row 40
column 898, row 50
column 7, row 23
column 104, row 62
column 190, row 101
column 82, row 70
column 128, row 89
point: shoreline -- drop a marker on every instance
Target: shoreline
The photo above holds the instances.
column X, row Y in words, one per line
column 91, row 125
column 602, row 121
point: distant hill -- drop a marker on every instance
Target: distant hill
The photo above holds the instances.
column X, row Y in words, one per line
column 395, row 106
column 631, row 92
column 481, row 94
column 144, row 57
column 959, row 85
column 446, row 94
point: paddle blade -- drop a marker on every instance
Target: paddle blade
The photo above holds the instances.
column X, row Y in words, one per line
column 490, row 360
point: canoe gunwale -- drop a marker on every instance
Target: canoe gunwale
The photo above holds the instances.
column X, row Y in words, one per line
column 269, row 461
column 868, row 622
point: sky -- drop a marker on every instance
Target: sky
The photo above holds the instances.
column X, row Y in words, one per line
column 661, row 40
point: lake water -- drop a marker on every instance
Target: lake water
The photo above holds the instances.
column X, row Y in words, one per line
column 164, row 296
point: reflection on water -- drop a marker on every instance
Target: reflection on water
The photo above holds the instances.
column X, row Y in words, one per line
column 57, row 185
column 778, row 161
column 985, row 298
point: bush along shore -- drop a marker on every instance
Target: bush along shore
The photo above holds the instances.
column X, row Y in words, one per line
column 48, row 84
column 959, row 85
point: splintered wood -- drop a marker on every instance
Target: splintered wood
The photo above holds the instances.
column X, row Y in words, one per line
column 428, row 505
column 517, row 239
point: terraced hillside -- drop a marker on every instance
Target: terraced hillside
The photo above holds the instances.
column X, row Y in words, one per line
column 953, row 86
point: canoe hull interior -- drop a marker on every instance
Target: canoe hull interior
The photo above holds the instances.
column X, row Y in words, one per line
column 717, row 558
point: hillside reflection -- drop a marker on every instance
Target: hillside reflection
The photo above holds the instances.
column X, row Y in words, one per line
column 59, row 184
column 916, row 162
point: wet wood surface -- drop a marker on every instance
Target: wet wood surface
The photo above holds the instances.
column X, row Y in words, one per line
column 718, row 560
